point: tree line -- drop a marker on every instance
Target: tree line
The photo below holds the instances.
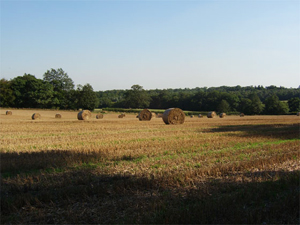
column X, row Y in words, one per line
column 249, row 100
column 57, row 90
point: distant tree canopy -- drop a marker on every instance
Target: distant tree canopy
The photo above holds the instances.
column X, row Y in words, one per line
column 274, row 106
column 294, row 104
column 249, row 100
column 136, row 97
column 56, row 90
column 7, row 96
column 256, row 105
column 223, row 106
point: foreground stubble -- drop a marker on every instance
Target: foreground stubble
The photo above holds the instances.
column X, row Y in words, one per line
column 230, row 170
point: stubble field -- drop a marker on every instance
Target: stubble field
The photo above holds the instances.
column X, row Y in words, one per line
column 122, row 170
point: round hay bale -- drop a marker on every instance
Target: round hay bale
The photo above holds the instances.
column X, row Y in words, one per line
column 211, row 114
column 298, row 113
column 84, row 115
column 242, row 115
column 145, row 114
column 121, row 116
column 99, row 116
column 222, row 115
column 192, row 116
column 36, row 116
column 200, row 116
column 58, row 115
column 173, row 116
column 9, row 113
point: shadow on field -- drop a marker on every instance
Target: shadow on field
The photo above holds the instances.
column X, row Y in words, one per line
column 280, row 131
column 82, row 197
column 34, row 161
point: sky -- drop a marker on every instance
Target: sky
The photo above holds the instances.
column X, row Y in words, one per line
column 155, row 44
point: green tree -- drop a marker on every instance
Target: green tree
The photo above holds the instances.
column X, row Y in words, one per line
column 256, row 105
column 87, row 98
column 223, row 106
column 184, row 101
column 166, row 98
column 232, row 99
column 294, row 104
column 137, row 97
column 198, row 100
column 246, row 106
column 62, row 86
column 59, row 79
column 66, row 99
column 275, row 107
column 251, row 105
column 31, row 92
column 6, row 94
column 212, row 100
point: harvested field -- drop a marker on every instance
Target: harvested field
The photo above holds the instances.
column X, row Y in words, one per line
column 238, row 170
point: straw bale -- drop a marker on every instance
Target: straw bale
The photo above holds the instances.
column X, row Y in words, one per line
column 192, row 116
column 145, row 114
column 121, row 115
column 200, row 116
column 84, row 115
column 211, row 114
column 242, row 115
column 58, row 115
column 222, row 115
column 99, row 116
column 298, row 113
column 173, row 116
column 36, row 116
column 9, row 113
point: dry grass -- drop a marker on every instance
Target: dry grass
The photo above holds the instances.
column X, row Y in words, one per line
column 230, row 170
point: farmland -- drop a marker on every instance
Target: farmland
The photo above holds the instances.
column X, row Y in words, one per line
column 122, row 170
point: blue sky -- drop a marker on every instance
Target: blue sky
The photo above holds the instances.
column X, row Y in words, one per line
column 156, row 44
